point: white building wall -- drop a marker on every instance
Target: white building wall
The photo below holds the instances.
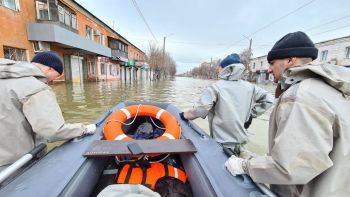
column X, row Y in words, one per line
column 336, row 51
column 259, row 63
column 259, row 66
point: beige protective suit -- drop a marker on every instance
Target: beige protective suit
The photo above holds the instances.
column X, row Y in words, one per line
column 29, row 112
column 229, row 103
column 309, row 135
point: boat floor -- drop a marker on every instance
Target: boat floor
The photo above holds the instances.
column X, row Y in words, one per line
column 165, row 188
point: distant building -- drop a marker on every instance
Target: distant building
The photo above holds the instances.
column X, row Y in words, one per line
column 335, row 51
column 259, row 67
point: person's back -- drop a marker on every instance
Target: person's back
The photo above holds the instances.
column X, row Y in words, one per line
column 230, row 103
column 17, row 82
column 30, row 113
column 234, row 105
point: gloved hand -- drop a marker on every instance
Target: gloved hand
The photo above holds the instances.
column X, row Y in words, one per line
column 182, row 116
column 249, row 122
column 235, row 165
column 89, row 129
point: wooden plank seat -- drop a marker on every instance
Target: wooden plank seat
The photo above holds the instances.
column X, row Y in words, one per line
column 105, row 148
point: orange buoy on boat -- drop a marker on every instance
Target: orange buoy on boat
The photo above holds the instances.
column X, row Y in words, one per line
column 113, row 127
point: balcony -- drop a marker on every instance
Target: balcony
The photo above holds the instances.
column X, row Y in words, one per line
column 119, row 55
column 52, row 32
column 119, row 49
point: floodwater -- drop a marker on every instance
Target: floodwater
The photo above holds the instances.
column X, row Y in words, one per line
column 85, row 102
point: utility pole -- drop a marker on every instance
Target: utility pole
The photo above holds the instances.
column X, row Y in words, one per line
column 250, row 50
column 164, row 50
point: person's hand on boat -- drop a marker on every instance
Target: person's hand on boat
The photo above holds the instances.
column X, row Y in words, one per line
column 182, row 116
column 236, row 165
column 90, row 129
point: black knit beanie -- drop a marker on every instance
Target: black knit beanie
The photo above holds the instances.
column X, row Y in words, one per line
column 50, row 59
column 296, row 44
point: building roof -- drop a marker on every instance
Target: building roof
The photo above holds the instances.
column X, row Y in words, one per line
column 335, row 39
column 259, row 57
column 80, row 6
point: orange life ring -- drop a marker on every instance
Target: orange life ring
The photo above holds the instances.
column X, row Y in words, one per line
column 113, row 127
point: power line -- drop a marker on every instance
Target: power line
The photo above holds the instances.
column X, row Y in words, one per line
column 317, row 26
column 143, row 18
column 199, row 43
column 282, row 17
column 342, row 27
column 273, row 22
column 330, row 30
column 329, row 22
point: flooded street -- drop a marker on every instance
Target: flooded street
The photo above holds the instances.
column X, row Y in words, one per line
column 85, row 102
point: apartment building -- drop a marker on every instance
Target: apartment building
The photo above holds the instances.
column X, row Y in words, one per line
column 335, row 51
column 259, row 66
column 90, row 49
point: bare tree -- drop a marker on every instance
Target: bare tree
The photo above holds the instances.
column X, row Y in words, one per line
column 162, row 66
column 245, row 57
column 205, row 70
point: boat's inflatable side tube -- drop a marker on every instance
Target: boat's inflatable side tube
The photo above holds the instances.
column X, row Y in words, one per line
column 21, row 162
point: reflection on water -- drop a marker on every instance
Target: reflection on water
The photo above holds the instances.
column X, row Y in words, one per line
column 86, row 102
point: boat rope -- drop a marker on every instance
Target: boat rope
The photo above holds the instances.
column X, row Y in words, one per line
column 128, row 160
column 166, row 156
column 159, row 127
column 130, row 123
column 145, row 157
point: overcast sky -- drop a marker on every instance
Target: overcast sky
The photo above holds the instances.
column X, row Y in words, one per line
column 199, row 30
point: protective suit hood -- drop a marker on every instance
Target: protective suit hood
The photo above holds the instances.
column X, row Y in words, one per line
column 232, row 72
column 12, row 69
column 336, row 76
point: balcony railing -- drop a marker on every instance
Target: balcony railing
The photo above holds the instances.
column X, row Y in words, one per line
column 116, row 53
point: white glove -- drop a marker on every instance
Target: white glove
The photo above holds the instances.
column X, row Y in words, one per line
column 89, row 129
column 235, row 165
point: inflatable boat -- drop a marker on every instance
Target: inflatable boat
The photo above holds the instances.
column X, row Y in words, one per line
column 64, row 171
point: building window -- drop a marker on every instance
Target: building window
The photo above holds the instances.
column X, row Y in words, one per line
column 42, row 11
column 112, row 70
column 103, row 69
column 347, row 54
column 11, row 4
column 61, row 14
column 15, row 54
column 88, row 32
column 261, row 66
column 74, row 21
column 254, row 65
column 67, row 18
column 324, row 55
column 102, row 39
column 91, row 66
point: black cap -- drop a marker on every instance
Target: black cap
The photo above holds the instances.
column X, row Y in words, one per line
column 296, row 44
column 50, row 59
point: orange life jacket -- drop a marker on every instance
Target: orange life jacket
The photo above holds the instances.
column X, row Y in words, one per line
column 149, row 176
